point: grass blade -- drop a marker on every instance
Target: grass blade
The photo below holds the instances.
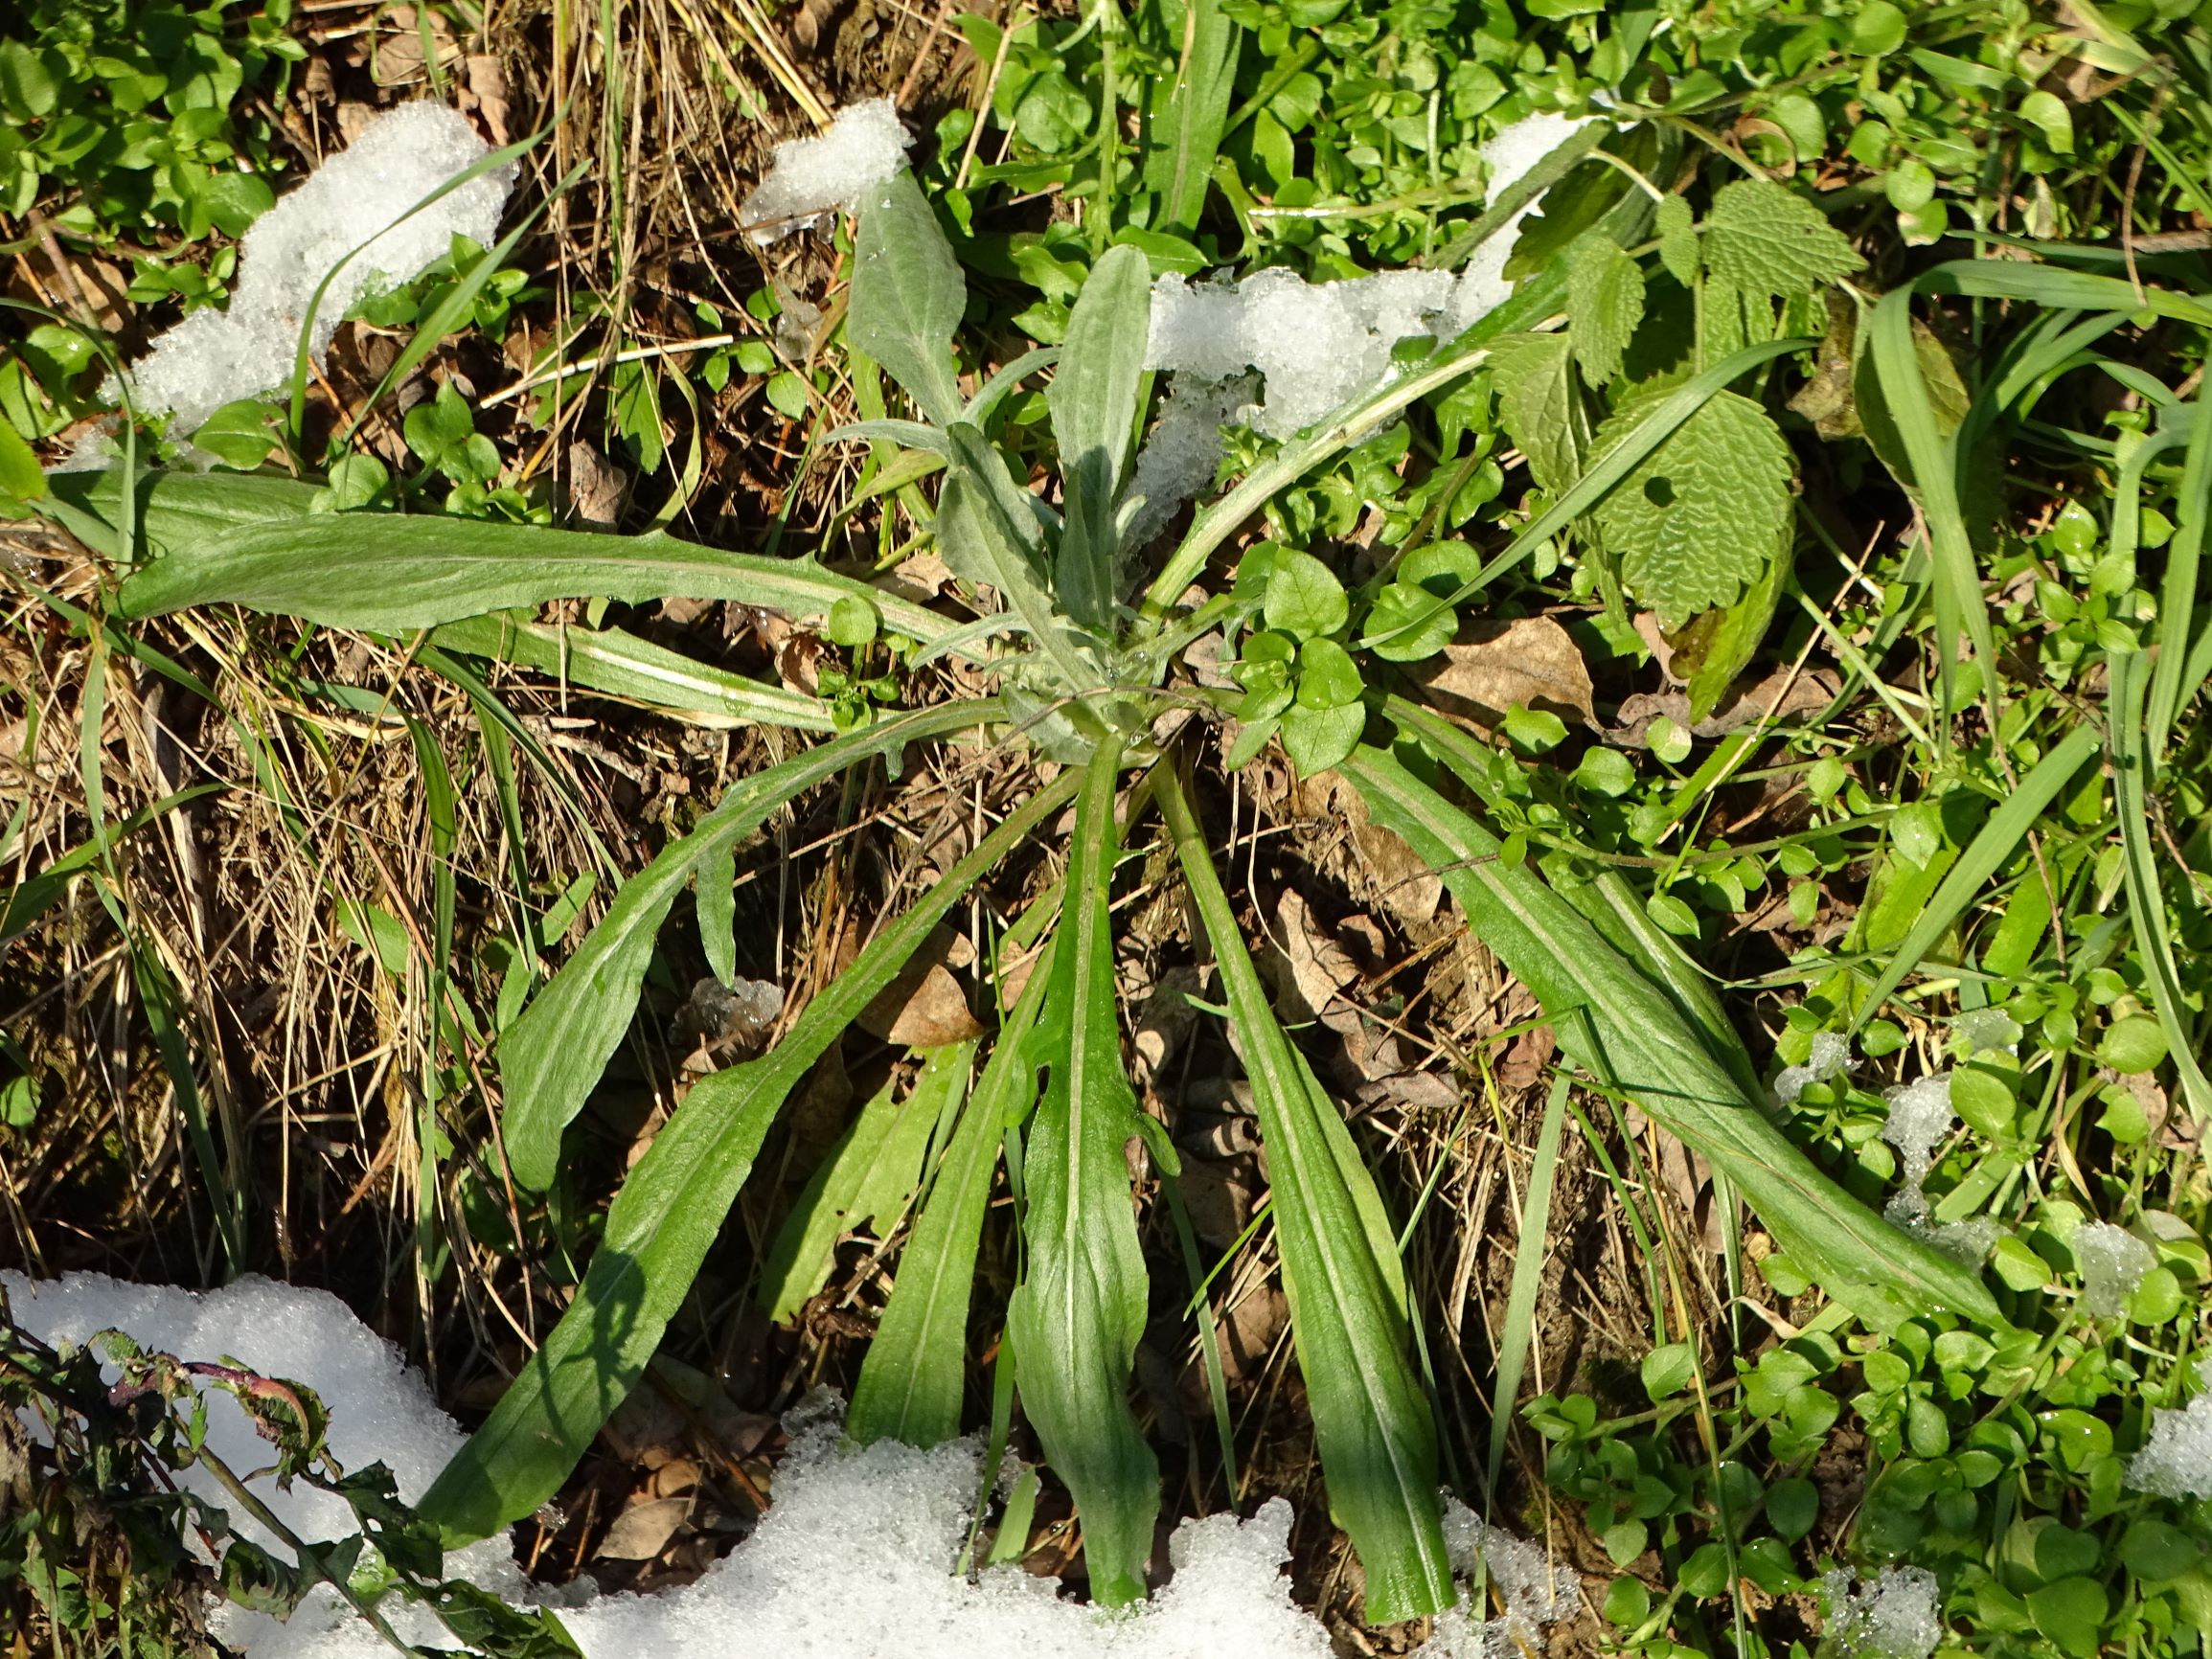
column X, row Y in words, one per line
column 1187, row 130
column 553, row 1054
column 1957, row 586
column 2177, row 595
column 621, row 664
column 1993, row 844
column 1079, row 1312
column 2131, row 766
column 666, row 1216
column 1519, row 1335
column 1342, row 1278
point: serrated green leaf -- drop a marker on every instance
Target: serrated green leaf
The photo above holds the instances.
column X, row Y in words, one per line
column 1715, row 647
column 1678, row 232
column 1702, row 513
column 1604, row 303
column 1542, row 407
column 1767, row 240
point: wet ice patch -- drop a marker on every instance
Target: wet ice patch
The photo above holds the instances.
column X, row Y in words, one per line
column 1985, row 1029
column 854, row 1559
column 1184, row 450
column 380, row 179
column 1318, row 344
column 1920, row 1118
column 809, row 178
column 1533, row 1589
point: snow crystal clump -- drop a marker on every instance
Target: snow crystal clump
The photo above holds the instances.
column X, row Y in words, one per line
column 1180, row 457
column 380, row 1412
column 1536, row 1591
column 1830, row 1058
column 2113, row 1262
column 1920, row 1116
column 1890, row 1616
column 216, row 357
column 2177, row 1460
column 1316, row 342
column 811, row 177
column 1319, row 344
column 1980, row 1030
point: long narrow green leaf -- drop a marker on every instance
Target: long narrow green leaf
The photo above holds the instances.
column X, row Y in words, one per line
column 1518, row 1331
column 1993, row 844
column 1958, row 595
column 394, row 572
column 555, row 1051
column 1079, row 1314
column 2178, row 594
column 624, row 666
column 2132, row 767
column 661, row 1224
column 1640, row 1043
column 1093, row 401
column 1342, row 1278
column 1185, row 131
column 915, row 1373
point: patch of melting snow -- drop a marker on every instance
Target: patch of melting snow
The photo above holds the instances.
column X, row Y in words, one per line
column 1983, row 1030
column 809, row 178
column 1317, row 344
column 216, row 357
column 1891, row 1615
column 1920, row 1117
column 1829, row 1058
column 852, row 1561
column 2112, row 1262
column 2177, row 1460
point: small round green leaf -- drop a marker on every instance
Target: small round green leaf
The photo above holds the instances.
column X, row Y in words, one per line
column 851, row 621
column 1304, row 596
column 2133, row 1044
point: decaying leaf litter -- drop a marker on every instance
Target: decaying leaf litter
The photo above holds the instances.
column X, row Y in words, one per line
column 1686, row 567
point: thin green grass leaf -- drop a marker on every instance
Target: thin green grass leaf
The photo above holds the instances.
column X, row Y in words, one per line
column 1517, row 1336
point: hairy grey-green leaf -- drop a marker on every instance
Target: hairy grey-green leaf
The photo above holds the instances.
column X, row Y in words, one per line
column 1767, row 240
column 907, row 295
column 1093, row 401
column 1703, row 513
column 1604, row 303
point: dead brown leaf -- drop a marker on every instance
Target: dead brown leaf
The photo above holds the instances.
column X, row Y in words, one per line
column 640, row 1532
column 1812, row 689
column 922, row 1010
column 1533, row 663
